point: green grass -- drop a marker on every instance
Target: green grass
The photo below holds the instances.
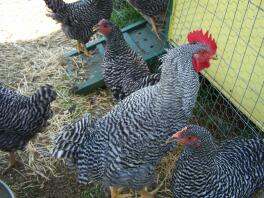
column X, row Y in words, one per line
column 123, row 14
column 93, row 192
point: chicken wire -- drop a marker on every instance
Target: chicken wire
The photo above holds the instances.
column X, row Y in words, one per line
column 231, row 98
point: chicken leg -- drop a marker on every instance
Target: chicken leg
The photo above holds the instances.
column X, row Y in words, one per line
column 82, row 48
column 160, row 28
column 154, row 27
column 115, row 193
column 12, row 162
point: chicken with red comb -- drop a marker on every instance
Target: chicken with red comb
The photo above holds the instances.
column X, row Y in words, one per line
column 123, row 147
column 207, row 168
column 124, row 70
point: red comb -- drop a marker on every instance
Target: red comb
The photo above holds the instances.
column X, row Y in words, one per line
column 197, row 36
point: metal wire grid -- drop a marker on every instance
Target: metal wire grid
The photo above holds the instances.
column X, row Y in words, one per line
column 214, row 108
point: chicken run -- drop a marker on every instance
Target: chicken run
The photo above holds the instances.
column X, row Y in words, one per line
column 180, row 112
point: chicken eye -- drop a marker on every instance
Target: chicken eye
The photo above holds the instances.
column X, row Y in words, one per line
column 189, row 138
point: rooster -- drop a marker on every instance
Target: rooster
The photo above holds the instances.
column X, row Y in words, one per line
column 122, row 148
column 234, row 168
column 78, row 18
column 155, row 9
column 124, row 71
column 22, row 117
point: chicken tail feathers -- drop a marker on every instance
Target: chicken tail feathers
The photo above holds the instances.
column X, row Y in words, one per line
column 55, row 5
column 71, row 138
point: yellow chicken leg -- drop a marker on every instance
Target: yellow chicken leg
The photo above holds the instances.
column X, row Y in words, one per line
column 160, row 28
column 12, row 162
column 115, row 193
column 78, row 46
column 154, row 28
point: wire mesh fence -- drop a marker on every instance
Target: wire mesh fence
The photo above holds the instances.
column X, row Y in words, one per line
column 231, row 98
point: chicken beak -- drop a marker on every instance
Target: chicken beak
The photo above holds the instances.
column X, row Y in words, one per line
column 176, row 137
column 171, row 139
column 215, row 57
column 96, row 28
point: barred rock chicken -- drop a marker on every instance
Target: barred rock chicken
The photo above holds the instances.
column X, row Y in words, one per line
column 122, row 148
column 155, row 9
column 234, row 168
column 22, row 117
column 78, row 18
column 124, row 71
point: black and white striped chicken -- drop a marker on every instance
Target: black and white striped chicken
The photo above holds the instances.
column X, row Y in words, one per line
column 234, row 168
column 22, row 117
column 122, row 148
column 124, row 70
column 78, row 18
column 155, row 9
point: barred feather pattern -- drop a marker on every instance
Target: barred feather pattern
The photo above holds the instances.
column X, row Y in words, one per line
column 234, row 168
column 150, row 7
column 22, row 117
column 69, row 146
column 124, row 70
column 71, row 137
column 129, row 141
column 79, row 18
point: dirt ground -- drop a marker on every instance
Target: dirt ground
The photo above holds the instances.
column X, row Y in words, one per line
column 24, row 20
